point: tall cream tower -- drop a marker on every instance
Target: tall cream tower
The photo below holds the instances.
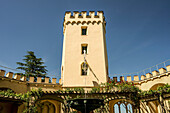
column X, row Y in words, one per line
column 84, row 58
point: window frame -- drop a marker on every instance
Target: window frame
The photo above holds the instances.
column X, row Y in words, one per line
column 84, row 45
column 82, row 69
column 84, row 28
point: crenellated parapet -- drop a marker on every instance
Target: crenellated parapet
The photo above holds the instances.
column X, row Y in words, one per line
column 139, row 79
column 16, row 77
column 82, row 18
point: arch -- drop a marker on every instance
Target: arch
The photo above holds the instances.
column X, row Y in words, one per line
column 73, row 22
column 51, row 97
column 88, row 22
column 94, row 22
column 153, row 106
column 78, row 22
column 155, row 86
column 116, row 106
column 83, row 22
column 49, row 106
column 98, row 22
column 68, row 23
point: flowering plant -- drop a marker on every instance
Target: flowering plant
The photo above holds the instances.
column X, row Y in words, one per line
column 123, row 86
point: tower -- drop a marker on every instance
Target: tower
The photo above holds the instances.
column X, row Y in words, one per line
column 84, row 36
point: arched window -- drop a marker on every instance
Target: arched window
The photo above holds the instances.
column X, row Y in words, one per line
column 129, row 107
column 116, row 108
column 123, row 107
column 84, row 68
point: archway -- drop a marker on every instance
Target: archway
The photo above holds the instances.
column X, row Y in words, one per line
column 121, row 106
column 155, row 106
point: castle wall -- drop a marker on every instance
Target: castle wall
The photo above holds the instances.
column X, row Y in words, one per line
column 21, row 85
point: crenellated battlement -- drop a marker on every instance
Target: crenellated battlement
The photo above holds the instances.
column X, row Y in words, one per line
column 147, row 77
column 17, row 77
column 84, row 17
column 136, row 78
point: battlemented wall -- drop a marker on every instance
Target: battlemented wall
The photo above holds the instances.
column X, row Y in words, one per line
column 145, row 82
column 83, row 18
column 20, row 85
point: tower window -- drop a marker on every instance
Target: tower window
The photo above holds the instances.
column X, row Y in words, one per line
column 84, row 31
column 84, row 68
column 84, row 48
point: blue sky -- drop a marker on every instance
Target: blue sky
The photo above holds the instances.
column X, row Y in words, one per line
column 137, row 31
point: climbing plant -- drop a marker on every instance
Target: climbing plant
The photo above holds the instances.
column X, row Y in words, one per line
column 29, row 98
column 136, row 95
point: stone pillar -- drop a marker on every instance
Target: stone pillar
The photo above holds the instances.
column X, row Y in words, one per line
column 2, row 73
column 155, row 73
column 162, row 70
column 24, row 78
column 136, row 78
column 168, row 68
column 38, row 79
column 129, row 79
column 148, row 75
column 143, row 77
column 54, row 80
column 31, row 79
column 17, row 76
column 9, row 74
column 123, row 78
column 47, row 79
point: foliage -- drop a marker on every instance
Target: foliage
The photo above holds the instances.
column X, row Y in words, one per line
column 125, row 86
column 136, row 94
column 160, row 90
column 79, row 89
column 133, row 92
column 71, row 90
column 95, row 89
column 29, row 98
column 32, row 66
column 122, row 86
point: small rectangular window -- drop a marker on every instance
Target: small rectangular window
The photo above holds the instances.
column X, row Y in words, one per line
column 84, row 31
column 84, row 48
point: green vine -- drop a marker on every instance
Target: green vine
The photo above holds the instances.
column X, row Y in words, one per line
column 28, row 98
column 135, row 94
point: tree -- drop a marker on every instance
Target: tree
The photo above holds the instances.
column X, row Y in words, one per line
column 32, row 66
